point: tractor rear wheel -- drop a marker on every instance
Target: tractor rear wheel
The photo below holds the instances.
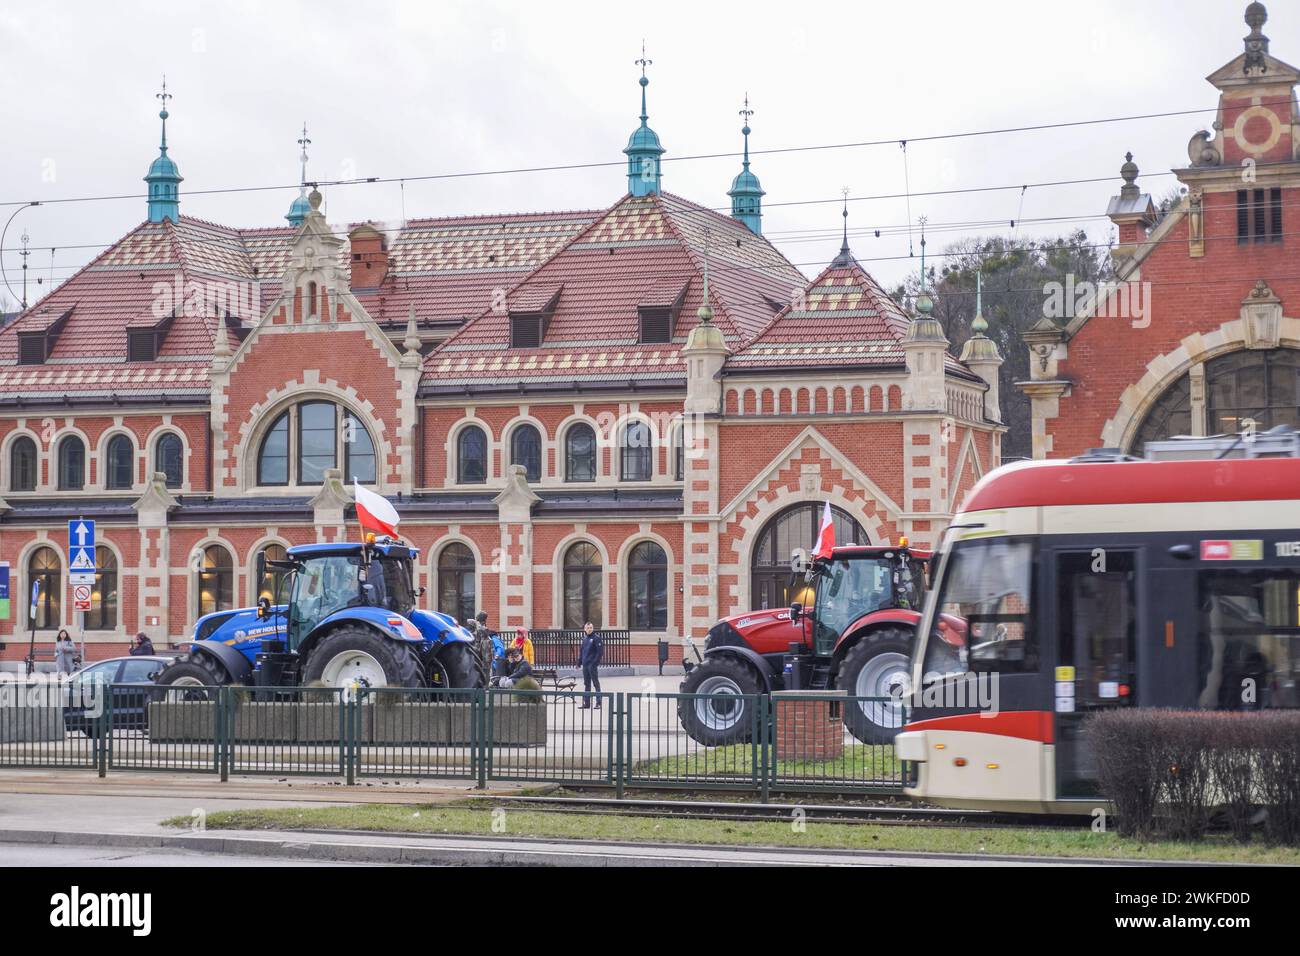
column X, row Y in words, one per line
column 359, row 656
column 456, row 665
column 190, row 678
column 726, row 714
column 878, row 666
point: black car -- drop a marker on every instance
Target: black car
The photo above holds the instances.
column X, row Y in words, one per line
column 130, row 703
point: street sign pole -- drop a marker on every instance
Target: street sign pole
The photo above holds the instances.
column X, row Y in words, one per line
column 82, row 567
column 31, row 614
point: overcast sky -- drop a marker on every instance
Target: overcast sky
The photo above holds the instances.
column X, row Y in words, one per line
column 412, row 89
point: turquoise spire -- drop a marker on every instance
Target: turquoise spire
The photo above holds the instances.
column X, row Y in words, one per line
column 300, row 207
column 643, row 148
column 164, row 178
column 746, row 193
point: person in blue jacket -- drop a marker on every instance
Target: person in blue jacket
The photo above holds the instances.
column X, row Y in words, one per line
column 593, row 650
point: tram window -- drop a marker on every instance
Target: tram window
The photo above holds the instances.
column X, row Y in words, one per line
column 1249, row 648
column 1098, row 623
column 983, row 610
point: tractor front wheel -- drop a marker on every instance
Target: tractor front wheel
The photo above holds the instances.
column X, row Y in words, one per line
column 190, row 679
column 878, row 666
column 358, row 656
column 723, row 711
column 456, row 665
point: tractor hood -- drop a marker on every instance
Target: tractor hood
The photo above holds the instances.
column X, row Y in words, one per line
column 766, row 632
column 440, row 628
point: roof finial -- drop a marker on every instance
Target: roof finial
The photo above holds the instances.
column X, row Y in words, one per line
column 924, row 301
column 979, row 325
column 163, row 97
column 705, row 311
column 845, row 258
column 746, row 112
column 304, row 143
column 645, row 81
column 300, row 207
column 1256, row 43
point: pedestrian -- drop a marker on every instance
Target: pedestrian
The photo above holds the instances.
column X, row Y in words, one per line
column 143, row 646
column 516, row 668
column 525, row 644
column 65, row 654
column 593, row 650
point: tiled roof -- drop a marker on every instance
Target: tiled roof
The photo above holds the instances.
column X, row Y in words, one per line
column 449, row 269
column 845, row 320
column 643, row 252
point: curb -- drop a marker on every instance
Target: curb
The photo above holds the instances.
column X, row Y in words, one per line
column 466, row 855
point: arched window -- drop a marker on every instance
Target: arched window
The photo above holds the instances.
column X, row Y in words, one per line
column 647, row 588
column 456, row 588
column 22, row 465
column 43, row 569
column 795, row 527
column 580, row 453
column 583, row 574
column 471, row 456
column 308, row 438
column 216, row 580
column 317, row 441
column 526, row 450
column 273, row 460
column 119, row 463
column 358, row 452
column 72, row 464
column 271, row 586
column 1259, row 386
column 637, row 452
column 102, row 615
column 169, row 459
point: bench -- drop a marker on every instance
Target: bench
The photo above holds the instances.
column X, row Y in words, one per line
column 544, row 674
column 45, row 656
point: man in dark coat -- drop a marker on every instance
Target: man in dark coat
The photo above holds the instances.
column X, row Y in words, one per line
column 593, row 650
column 143, row 646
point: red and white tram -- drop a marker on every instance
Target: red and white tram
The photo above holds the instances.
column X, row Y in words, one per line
column 1068, row 587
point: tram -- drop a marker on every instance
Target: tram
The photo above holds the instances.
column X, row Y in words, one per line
column 1069, row 587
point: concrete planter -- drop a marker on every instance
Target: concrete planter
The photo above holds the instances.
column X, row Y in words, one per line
column 519, row 723
column 428, row 724
column 318, row 723
column 31, row 724
column 177, row 721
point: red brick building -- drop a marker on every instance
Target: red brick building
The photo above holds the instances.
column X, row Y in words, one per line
column 628, row 415
column 1199, row 336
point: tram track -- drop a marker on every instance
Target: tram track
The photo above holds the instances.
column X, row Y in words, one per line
column 728, row 811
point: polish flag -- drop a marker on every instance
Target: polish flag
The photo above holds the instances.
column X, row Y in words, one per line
column 374, row 512
column 826, row 536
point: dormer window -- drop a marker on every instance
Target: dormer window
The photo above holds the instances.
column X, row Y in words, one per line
column 530, row 311
column 31, row 348
column 656, row 326
column 658, row 311
column 144, row 338
column 527, row 331
column 36, row 344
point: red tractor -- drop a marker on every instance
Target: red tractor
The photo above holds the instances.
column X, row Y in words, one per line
column 855, row 636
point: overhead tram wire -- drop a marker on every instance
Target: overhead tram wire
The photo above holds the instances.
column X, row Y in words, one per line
column 605, row 164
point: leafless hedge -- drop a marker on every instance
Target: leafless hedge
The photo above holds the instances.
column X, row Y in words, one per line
column 1174, row 773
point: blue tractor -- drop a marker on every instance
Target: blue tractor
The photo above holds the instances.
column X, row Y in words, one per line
column 350, row 620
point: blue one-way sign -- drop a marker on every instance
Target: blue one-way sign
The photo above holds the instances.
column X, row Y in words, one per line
column 81, row 545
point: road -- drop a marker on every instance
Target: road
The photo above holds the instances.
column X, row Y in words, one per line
column 19, row 854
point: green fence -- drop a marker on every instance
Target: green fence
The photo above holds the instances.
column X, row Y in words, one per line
column 756, row 744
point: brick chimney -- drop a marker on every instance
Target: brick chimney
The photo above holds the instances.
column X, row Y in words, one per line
column 369, row 252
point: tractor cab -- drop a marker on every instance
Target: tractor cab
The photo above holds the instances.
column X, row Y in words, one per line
column 326, row 578
column 851, row 584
